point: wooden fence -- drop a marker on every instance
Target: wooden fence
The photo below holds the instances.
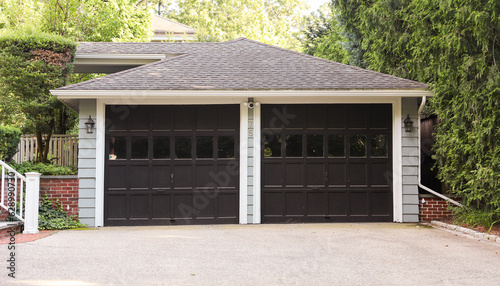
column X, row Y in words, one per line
column 63, row 149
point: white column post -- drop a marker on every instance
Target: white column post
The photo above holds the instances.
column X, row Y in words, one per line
column 31, row 203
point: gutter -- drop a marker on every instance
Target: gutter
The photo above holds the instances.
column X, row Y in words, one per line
column 424, row 99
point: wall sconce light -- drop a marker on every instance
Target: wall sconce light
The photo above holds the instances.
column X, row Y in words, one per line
column 408, row 124
column 90, row 125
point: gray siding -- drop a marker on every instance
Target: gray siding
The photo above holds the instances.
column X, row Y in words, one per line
column 410, row 162
column 86, row 164
column 250, row 166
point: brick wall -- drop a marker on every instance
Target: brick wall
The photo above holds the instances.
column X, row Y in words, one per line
column 64, row 188
column 434, row 208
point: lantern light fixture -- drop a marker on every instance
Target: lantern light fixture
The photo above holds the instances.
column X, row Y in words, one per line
column 90, row 125
column 408, row 124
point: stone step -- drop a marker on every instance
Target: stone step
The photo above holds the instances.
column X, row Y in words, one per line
column 6, row 226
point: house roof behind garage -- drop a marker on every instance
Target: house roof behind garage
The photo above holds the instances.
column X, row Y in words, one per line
column 240, row 64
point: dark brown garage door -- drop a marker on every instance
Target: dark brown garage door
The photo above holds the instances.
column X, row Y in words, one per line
column 324, row 163
column 171, row 165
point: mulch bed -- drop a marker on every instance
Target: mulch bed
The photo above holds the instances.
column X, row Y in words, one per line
column 495, row 230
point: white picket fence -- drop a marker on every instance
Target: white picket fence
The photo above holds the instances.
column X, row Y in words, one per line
column 63, row 149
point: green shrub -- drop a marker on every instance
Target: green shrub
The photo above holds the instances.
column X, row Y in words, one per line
column 473, row 217
column 52, row 216
column 9, row 139
column 44, row 169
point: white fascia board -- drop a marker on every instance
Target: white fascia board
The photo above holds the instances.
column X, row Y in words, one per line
column 118, row 59
column 265, row 96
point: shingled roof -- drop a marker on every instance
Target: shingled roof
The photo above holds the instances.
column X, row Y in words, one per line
column 240, row 64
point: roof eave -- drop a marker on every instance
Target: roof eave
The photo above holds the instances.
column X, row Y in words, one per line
column 81, row 94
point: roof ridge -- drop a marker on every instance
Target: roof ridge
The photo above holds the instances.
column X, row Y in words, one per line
column 112, row 75
column 329, row 61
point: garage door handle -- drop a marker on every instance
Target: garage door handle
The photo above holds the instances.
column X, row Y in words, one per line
column 171, row 178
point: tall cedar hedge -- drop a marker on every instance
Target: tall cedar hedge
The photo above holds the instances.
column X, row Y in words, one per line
column 454, row 46
column 31, row 64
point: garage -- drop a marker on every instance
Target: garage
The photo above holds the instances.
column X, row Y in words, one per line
column 327, row 163
column 171, row 164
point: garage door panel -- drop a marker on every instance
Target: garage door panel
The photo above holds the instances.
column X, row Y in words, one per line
column 228, row 118
column 316, row 117
column 294, row 175
column 160, row 177
column 206, row 118
column 139, row 206
column 116, row 206
column 337, row 175
column 140, row 119
column 117, row 118
column 379, row 175
column 273, row 203
column 295, row 203
column 161, row 206
column 358, row 174
column 205, row 206
column 315, row 175
column 337, row 116
column 183, row 206
column 161, row 118
column 271, row 177
column 338, row 203
column 359, row 203
column 139, row 177
column 227, row 205
column 289, row 116
column 117, row 177
column 317, row 203
column 381, row 203
column 184, row 119
column 380, row 117
column 183, row 176
column 204, row 176
column 226, row 176
column 358, row 116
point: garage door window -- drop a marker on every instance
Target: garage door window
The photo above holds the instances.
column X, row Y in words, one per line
column 378, row 145
column 315, row 145
column 357, row 146
column 161, row 147
column 272, row 146
column 225, row 147
column 139, row 147
column 118, row 148
column 204, row 147
column 182, row 147
column 294, row 145
column 336, row 146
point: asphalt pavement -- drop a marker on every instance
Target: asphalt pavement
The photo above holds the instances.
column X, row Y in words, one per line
column 292, row 254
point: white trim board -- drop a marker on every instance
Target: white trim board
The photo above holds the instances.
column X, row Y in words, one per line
column 264, row 95
column 100, row 130
column 243, row 163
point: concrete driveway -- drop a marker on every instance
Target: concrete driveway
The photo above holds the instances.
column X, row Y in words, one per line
column 299, row 254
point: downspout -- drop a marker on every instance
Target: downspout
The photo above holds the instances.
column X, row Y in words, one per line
column 424, row 98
